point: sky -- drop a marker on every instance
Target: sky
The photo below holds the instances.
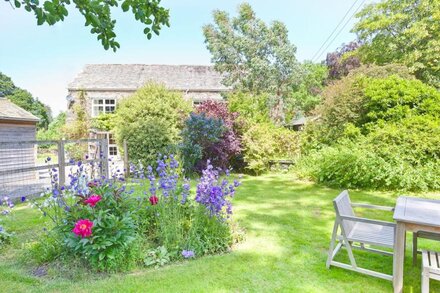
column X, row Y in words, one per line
column 45, row 59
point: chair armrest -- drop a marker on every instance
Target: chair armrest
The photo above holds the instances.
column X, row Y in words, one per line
column 368, row 221
column 370, row 206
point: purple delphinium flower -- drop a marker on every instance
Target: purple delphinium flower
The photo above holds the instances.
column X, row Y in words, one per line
column 213, row 192
column 188, row 253
column 185, row 191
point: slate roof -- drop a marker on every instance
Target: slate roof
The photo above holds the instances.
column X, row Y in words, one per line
column 129, row 77
column 10, row 111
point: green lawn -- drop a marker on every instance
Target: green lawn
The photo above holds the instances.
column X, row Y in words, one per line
column 288, row 225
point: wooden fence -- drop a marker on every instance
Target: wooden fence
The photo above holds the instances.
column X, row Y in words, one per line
column 25, row 165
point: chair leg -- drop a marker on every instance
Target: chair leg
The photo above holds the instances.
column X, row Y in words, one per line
column 332, row 244
column 414, row 249
column 425, row 282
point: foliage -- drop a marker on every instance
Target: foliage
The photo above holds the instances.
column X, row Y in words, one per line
column 157, row 257
column 405, row 32
column 97, row 15
column 111, row 227
column 210, row 135
column 265, row 142
column 307, row 94
column 345, row 102
column 375, row 133
column 200, row 135
column 151, row 121
column 179, row 222
column 55, row 130
column 357, row 165
column 25, row 100
column 343, row 60
column 104, row 121
column 254, row 57
column 251, row 108
column 79, row 128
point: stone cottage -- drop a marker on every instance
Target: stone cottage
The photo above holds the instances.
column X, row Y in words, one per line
column 105, row 84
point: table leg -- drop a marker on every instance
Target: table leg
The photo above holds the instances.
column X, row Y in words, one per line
column 398, row 259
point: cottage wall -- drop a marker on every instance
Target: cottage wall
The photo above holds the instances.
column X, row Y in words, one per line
column 118, row 95
column 15, row 156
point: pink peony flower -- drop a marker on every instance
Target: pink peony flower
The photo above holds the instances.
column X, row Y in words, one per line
column 154, row 200
column 83, row 228
column 93, row 200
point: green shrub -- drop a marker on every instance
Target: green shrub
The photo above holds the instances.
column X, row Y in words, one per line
column 358, row 165
column 150, row 120
column 251, row 108
column 264, row 142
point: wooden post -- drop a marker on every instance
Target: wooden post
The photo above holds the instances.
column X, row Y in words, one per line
column 61, row 164
column 104, row 157
column 126, row 166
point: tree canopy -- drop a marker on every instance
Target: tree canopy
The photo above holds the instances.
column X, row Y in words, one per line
column 25, row 100
column 254, row 56
column 406, row 32
column 98, row 15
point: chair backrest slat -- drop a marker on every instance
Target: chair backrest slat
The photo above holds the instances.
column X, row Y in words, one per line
column 343, row 207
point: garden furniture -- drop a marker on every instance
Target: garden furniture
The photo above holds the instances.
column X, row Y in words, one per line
column 354, row 229
column 430, row 268
column 412, row 214
column 422, row 234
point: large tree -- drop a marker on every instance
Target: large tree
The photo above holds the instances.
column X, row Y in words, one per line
column 252, row 55
column 406, row 32
column 25, row 100
column 97, row 15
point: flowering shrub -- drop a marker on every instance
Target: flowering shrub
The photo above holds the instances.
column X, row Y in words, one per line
column 108, row 226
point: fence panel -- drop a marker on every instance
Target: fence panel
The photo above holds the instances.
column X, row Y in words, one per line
column 28, row 168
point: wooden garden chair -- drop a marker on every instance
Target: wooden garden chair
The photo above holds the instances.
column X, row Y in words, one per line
column 363, row 231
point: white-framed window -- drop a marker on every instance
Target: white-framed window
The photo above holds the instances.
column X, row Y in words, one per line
column 103, row 106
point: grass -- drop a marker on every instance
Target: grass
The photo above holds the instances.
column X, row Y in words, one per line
column 288, row 225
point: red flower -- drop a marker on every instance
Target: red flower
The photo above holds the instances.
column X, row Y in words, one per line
column 93, row 200
column 83, row 228
column 154, row 199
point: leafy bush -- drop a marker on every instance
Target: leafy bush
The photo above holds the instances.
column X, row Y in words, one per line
column 355, row 165
column 200, row 136
column 55, row 130
column 210, row 135
column 393, row 155
column 358, row 99
column 265, row 142
column 150, row 120
column 250, row 108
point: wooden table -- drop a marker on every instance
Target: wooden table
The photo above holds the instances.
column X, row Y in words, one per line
column 412, row 214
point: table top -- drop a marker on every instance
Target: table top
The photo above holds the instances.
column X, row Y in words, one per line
column 417, row 211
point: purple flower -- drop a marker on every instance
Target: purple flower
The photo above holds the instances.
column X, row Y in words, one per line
column 213, row 193
column 188, row 253
column 23, row 198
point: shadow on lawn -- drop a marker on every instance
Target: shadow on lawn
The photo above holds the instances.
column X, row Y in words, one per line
column 299, row 217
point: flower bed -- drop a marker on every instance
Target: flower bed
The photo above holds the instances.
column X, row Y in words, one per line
column 154, row 219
